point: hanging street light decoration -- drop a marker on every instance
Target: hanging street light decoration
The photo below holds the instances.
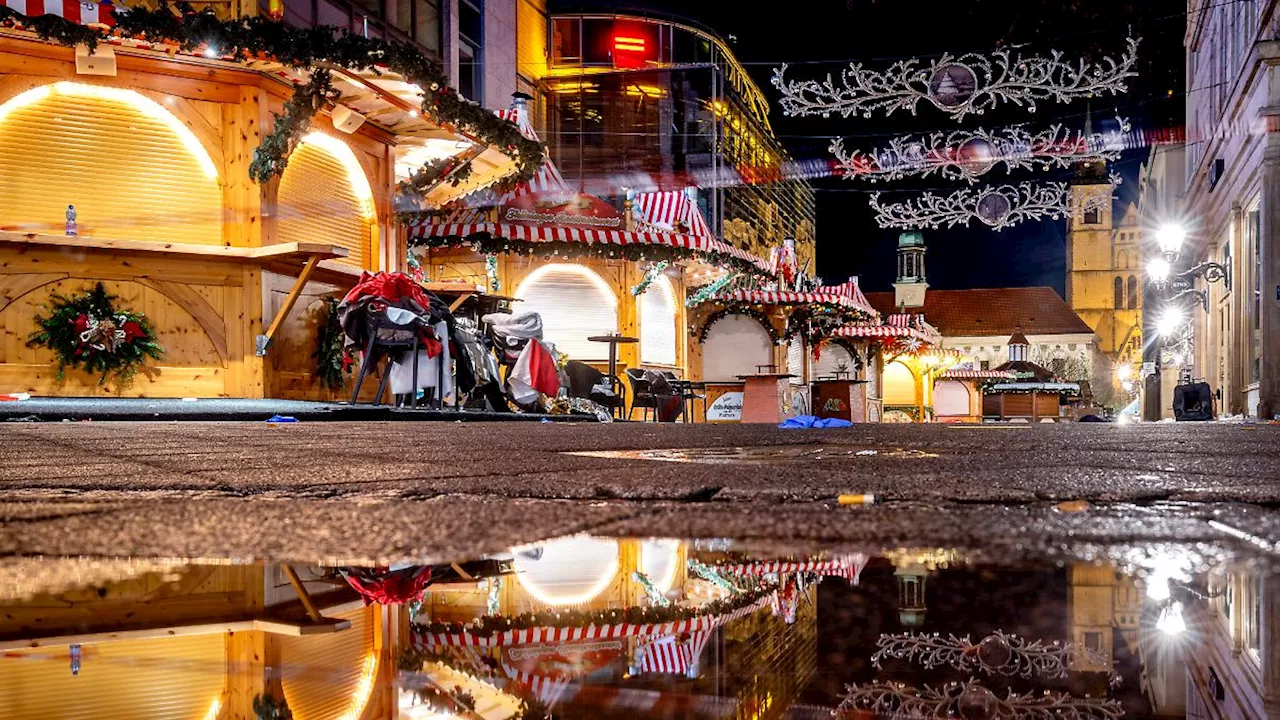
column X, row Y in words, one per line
column 996, row 654
column 972, row 701
column 997, row 207
column 969, row 83
column 969, row 154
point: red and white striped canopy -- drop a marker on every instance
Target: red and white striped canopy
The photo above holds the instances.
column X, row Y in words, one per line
column 898, row 325
column 549, row 635
column 787, row 297
column 590, row 236
column 962, row 374
column 848, row 567
column 850, row 288
column 546, row 688
column 662, row 210
column 670, row 655
column 83, row 13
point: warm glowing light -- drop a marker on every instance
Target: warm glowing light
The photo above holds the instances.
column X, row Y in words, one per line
column 571, row 87
column 355, row 173
column 214, row 708
column 1170, row 237
column 1158, row 270
column 646, row 91
column 211, row 52
column 1124, row 372
column 582, row 567
column 1127, row 385
column 363, row 690
column 145, row 105
column 1171, row 621
column 628, row 44
column 590, row 276
column 660, row 555
column 1171, row 322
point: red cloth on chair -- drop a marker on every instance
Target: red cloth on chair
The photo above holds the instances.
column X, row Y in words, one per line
column 382, row 587
column 388, row 286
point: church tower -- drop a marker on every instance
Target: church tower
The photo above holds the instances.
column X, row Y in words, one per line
column 909, row 288
column 1093, row 289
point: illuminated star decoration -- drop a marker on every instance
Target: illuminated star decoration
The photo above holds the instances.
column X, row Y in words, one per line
column 997, row 207
column 996, row 654
column 972, row 700
column 970, row 83
column 968, row 154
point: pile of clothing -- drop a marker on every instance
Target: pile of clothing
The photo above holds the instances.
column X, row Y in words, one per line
column 517, row 340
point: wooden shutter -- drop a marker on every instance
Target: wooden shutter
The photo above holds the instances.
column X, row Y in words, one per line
column 735, row 345
column 176, row 678
column 112, row 155
column 322, row 673
column 830, row 359
column 658, row 323
column 795, row 361
column 318, row 203
column 574, row 305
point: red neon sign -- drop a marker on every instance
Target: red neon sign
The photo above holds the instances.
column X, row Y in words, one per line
column 628, row 43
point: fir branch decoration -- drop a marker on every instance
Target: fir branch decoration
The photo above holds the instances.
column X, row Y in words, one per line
column 313, row 49
column 333, row 362
column 87, row 332
column 741, row 309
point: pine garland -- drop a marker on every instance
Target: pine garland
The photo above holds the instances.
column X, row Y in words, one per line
column 742, row 309
column 487, row 244
column 257, row 38
column 86, row 331
column 333, row 362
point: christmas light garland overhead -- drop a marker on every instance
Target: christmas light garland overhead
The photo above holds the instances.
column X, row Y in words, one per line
column 969, row 83
column 969, row 154
column 996, row 654
column 972, row 700
column 998, row 207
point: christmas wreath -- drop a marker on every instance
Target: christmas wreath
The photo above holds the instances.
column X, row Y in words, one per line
column 87, row 331
column 333, row 360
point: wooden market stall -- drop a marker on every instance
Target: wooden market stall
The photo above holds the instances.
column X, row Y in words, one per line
column 588, row 266
column 1033, row 394
column 149, row 171
column 957, row 393
column 762, row 339
column 908, row 358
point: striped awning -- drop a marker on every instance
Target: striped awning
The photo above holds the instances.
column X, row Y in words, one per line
column 669, row 655
column 848, row 567
column 422, row 230
column 546, row 635
column 787, row 297
column 869, row 330
column 962, row 374
column 662, row 210
column 83, row 13
column 850, row 288
column 545, row 688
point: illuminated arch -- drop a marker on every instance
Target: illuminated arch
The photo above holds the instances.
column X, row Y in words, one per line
column 571, row 571
column 658, row 334
column 951, row 398
column 575, row 303
column 132, row 169
column 899, row 384
column 324, row 196
column 660, row 561
column 734, row 344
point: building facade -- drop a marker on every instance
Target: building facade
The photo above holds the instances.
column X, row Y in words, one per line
column 1161, row 186
column 1232, row 179
column 1104, row 278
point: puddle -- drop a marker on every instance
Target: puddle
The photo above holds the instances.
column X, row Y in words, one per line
column 602, row 627
column 761, row 454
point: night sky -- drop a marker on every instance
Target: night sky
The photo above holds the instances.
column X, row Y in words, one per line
column 877, row 32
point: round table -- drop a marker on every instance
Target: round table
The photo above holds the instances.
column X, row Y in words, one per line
column 614, row 340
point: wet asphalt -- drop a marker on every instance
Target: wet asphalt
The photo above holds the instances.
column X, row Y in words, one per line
column 377, row 491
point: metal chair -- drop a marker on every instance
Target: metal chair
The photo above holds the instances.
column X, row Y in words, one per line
column 385, row 337
column 641, row 396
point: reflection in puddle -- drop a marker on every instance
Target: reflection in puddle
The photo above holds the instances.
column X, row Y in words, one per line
column 757, row 454
column 592, row 627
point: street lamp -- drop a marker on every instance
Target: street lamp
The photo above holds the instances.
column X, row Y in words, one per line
column 1171, row 322
column 1158, row 270
column 1170, row 237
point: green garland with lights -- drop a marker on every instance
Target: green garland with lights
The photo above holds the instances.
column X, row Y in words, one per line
column 815, row 322
column 490, row 625
column 314, row 48
column 487, row 244
column 740, row 309
column 333, row 361
column 87, row 331
column 650, row 274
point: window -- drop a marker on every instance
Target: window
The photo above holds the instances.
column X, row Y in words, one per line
column 471, row 49
column 1093, row 641
column 658, row 335
column 1255, row 302
column 1092, row 216
column 575, row 304
column 735, row 345
column 1133, row 292
column 1119, row 293
column 566, row 42
column 984, row 365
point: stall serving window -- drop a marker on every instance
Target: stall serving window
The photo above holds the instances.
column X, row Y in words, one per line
column 734, row 346
column 575, row 303
column 325, row 197
column 658, row 336
column 834, row 358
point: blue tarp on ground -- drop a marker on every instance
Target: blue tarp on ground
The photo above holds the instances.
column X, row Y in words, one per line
column 812, row 421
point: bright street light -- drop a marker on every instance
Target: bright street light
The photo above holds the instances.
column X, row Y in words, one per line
column 1170, row 237
column 1170, row 323
column 1171, row 621
column 1158, row 270
column 1124, row 372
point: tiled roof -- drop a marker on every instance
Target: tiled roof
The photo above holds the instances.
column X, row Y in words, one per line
column 994, row 311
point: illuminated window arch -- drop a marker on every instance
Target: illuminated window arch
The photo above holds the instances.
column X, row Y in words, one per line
column 950, row 398
column 132, row 169
column 571, row 571
column 658, row 335
column 575, row 303
column 325, row 197
column 734, row 345
column 831, row 358
column 899, row 384
column 660, row 562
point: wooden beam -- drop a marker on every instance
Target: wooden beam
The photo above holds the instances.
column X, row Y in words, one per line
column 463, row 573
column 267, row 625
column 458, row 303
column 301, row 590
column 269, row 252
column 265, row 339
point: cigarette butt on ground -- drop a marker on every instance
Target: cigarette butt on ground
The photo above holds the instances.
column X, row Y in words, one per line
column 865, row 499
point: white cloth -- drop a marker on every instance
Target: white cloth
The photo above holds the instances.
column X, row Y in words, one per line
column 428, row 368
column 524, row 325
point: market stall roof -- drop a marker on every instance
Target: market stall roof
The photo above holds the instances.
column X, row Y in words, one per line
column 845, row 296
column 965, row 374
column 899, row 325
column 659, row 215
column 381, row 97
column 1053, row 387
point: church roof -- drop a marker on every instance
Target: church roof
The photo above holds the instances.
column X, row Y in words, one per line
column 993, row 312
